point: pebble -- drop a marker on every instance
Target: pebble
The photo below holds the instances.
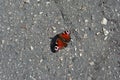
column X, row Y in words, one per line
column 85, row 36
column 106, row 32
column 31, row 47
column 3, row 41
column 91, row 63
column 105, row 38
column 104, row 21
column 86, row 21
column 27, row 1
column 80, row 54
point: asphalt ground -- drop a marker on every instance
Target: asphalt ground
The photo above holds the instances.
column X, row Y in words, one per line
column 26, row 27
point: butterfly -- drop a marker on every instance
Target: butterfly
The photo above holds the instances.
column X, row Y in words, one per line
column 60, row 41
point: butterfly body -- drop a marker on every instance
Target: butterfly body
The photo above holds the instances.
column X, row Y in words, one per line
column 60, row 41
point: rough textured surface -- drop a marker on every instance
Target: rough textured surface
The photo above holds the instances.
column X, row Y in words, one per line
column 27, row 25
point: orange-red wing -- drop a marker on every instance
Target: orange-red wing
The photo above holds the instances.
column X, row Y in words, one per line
column 60, row 43
column 65, row 37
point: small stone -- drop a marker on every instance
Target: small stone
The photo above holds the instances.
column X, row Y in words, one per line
column 86, row 21
column 85, row 36
column 91, row 63
column 3, row 41
column 31, row 13
column 41, row 60
column 8, row 28
column 105, row 38
column 47, row 2
column 97, row 33
column 40, row 42
column 70, row 78
column 31, row 47
column 40, row 12
column 104, row 21
column 109, row 67
column 106, row 32
column 75, row 48
column 54, row 31
column 16, row 40
column 80, row 54
column 58, row 22
column 27, row 1
column 54, row 28
column 83, row 29
column 30, row 60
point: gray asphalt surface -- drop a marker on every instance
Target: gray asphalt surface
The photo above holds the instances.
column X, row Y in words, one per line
column 27, row 25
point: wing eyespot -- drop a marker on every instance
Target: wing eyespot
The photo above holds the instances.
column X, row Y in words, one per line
column 68, row 32
column 56, row 48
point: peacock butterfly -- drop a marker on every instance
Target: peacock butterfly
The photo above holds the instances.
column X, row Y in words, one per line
column 60, row 41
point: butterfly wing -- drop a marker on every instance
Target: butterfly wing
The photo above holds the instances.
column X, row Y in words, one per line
column 53, row 43
column 65, row 36
column 61, row 44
